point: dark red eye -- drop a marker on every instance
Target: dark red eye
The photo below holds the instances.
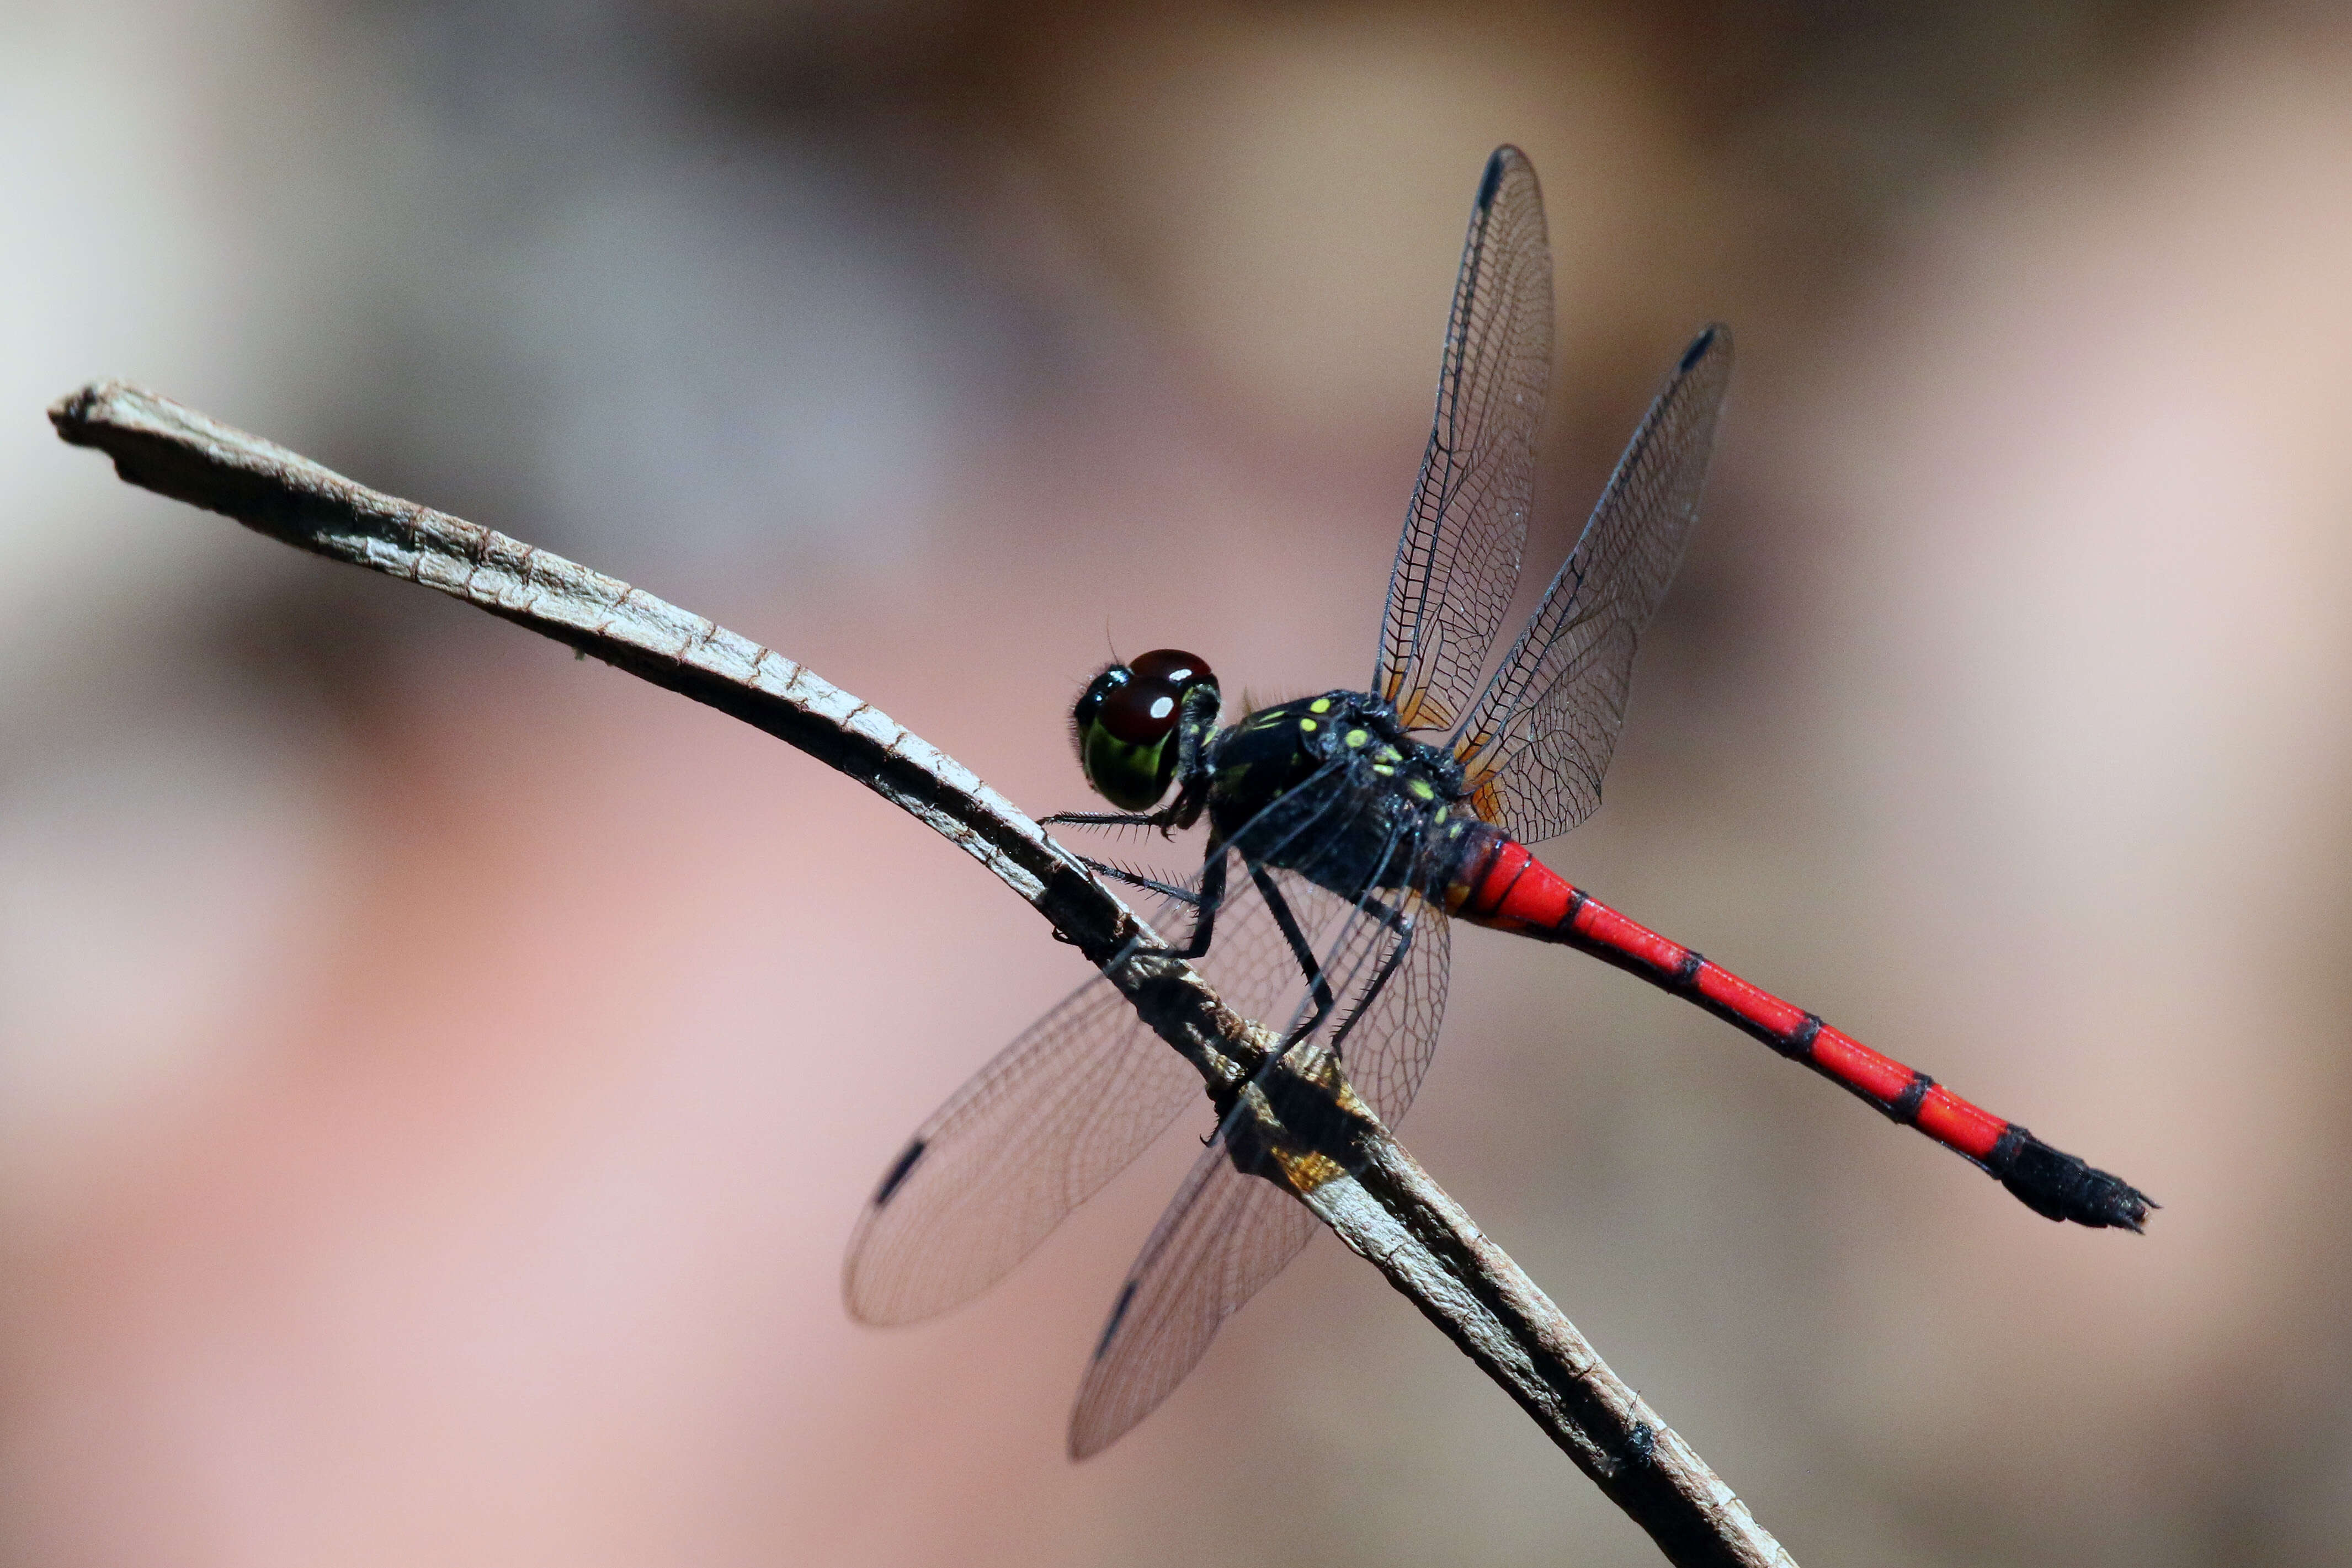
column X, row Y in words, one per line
column 1171, row 667
column 1138, row 713
column 1144, row 709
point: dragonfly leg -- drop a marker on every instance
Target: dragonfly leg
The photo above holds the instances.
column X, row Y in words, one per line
column 1205, row 904
column 1206, row 901
column 1309, row 964
column 1105, row 820
column 1402, row 924
column 1136, row 879
column 1306, row 1108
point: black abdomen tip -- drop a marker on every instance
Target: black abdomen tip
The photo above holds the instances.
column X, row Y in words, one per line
column 2061, row 1187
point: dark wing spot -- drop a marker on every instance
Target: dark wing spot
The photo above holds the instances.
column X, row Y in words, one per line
column 1492, row 180
column 899, row 1172
column 1117, row 1316
column 1699, row 346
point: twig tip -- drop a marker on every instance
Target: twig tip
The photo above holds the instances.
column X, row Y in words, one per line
column 71, row 413
column 79, row 414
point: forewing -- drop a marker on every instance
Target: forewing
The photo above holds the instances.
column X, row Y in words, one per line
column 1535, row 747
column 1386, row 1053
column 1387, row 1004
column 1055, row 1115
column 1035, row 1133
column 1226, row 1235
column 1222, row 1239
column 1458, row 561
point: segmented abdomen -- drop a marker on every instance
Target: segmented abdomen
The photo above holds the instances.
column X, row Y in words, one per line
column 1502, row 884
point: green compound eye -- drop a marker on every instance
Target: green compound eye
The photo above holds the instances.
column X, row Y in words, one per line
column 1125, row 725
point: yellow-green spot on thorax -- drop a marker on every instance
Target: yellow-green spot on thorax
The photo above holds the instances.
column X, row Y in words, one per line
column 1420, row 789
column 1357, row 737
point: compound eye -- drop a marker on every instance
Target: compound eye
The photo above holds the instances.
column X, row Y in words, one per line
column 1144, row 711
column 1139, row 711
column 1173, row 668
column 1123, row 721
column 1090, row 701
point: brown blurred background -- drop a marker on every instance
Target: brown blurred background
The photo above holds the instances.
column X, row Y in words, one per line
column 438, row 1076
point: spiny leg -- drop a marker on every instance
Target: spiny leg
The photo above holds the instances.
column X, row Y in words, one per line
column 1211, row 896
column 1403, row 846
column 1312, row 968
column 1102, row 819
column 1403, row 924
column 1206, row 901
column 1205, row 904
column 1309, row 964
column 1309, row 1112
column 1366, row 903
column 1137, row 878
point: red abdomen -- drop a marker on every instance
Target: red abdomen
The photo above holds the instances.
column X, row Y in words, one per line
column 1505, row 886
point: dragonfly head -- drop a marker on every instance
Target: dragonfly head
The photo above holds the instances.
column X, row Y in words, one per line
column 1125, row 725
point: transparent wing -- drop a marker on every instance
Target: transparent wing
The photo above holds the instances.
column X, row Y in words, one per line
column 1225, row 1236
column 1057, row 1114
column 1386, row 1054
column 1458, row 563
column 1535, row 747
column 1035, row 1133
column 1383, row 952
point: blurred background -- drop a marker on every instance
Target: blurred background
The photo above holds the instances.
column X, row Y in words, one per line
column 438, row 1076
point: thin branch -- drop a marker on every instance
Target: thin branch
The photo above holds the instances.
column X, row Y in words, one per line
column 1378, row 1199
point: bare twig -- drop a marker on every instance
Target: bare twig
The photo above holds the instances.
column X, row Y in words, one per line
column 1380, row 1202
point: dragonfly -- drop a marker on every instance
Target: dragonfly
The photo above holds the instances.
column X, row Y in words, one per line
column 1346, row 833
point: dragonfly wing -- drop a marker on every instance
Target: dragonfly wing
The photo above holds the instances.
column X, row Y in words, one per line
column 1458, row 563
column 1226, row 1235
column 1072, row 1102
column 1387, row 1003
column 1035, row 1133
column 1386, row 1051
column 1536, row 745
column 1382, row 952
column 1222, row 1238
column 1056, row 1114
